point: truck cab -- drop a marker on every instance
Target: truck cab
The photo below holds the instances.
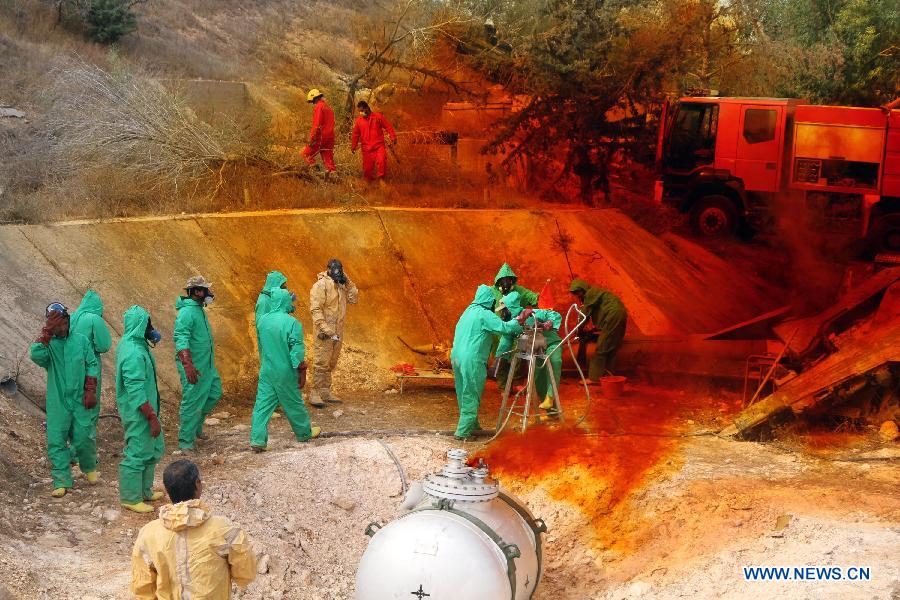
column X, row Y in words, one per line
column 729, row 161
column 718, row 157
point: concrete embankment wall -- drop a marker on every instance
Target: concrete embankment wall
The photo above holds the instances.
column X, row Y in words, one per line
column 416, row 270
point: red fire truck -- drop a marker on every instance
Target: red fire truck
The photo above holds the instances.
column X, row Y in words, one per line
column 728, row 162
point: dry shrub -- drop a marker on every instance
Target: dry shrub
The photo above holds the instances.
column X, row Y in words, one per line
column 118, row 120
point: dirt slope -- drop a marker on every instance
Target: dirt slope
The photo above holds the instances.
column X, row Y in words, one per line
column 416, row 269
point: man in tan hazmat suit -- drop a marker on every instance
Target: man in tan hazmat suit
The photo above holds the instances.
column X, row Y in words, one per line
column 328, row 300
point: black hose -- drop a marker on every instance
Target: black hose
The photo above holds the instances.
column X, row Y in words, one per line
column 398, row 432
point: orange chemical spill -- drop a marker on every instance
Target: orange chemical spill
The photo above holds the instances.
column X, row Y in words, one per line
column 597, row 466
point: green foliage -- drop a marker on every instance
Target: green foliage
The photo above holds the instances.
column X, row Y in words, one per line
column 592, row 68
column 844, row 51
column 107, row 21
column 588, row 68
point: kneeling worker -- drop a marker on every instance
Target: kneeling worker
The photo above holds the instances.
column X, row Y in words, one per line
column 607, row 313
column 188, row 552
column 548, row 322
column 471, row 348
column 282, row 373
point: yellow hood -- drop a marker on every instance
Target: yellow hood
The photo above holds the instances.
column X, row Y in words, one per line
column 190, row 513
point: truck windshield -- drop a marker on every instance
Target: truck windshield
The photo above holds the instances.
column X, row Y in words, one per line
column 692, row 139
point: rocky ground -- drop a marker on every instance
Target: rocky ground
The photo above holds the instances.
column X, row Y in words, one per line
column 647, row 505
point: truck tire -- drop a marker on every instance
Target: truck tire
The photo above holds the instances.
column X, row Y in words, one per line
column 714, row 215
column 884, row 234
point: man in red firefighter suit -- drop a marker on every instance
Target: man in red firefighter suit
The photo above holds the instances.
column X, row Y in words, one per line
column 321, row 136
column 368, row 132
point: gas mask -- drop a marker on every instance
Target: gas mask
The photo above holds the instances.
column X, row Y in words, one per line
column 56, row 307
column 336, row 271
column 62, row 328
column 152, row 336
column 505, row 285
column 505, row 314
column 208, row 296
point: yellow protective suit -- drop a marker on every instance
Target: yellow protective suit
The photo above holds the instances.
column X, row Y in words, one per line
column 328, row 306
column 188, row 554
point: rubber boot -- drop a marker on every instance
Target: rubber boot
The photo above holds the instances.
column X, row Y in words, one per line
column 258, row 449
column 140, row 507
column 59, row 492
column 154, row 497
column 547, row 404
column 93, row 477
column 315, row 399
column 329, row 398
column 314, row 433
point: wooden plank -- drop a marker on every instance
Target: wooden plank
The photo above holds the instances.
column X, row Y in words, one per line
column 428, row 375
column 811, row 328
column 860, row 352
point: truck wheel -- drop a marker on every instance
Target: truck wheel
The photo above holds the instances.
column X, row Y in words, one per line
column 714, row 216
column 884, row 235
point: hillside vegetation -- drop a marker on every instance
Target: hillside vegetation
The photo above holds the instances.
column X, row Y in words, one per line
column 112, row 128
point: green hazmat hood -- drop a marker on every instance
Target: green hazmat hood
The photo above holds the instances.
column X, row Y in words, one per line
column 484, row 296
column 579, row 284
column 513, row 301
column 274, row 280
column 135, row 321
column 505, row 271
column 281, row 301
column 91, row 303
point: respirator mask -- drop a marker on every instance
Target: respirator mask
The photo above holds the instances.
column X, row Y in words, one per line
column 336, row 271
column 152, row 336
column 506, row 284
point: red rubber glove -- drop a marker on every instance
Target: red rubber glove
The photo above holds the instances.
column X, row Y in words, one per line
column 90, row 392
column 547, row 325
column 301, row 375
column 192, row 374
column 523, row 316
column 147, row 411
column 50, row 327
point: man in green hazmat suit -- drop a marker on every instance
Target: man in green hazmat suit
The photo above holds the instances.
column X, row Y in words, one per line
column 72, row 372
column 201, row 387
column 88, row 321
column 548, row 322
column 505, row 282
column 137, row 397
column 607, row 314
column 282, row 372
column 472, row 340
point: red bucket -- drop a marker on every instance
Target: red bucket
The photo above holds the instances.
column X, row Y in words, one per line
column 613, row 386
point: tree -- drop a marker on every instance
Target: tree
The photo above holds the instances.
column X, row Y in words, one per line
column 104, row 21
column 590, row 68
column 402, row 38
column 839, row 51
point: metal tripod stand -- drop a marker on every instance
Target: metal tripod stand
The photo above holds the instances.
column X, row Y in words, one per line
column 531, row 348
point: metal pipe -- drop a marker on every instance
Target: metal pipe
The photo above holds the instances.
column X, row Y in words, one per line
column 765, row 380
column 394, row 458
